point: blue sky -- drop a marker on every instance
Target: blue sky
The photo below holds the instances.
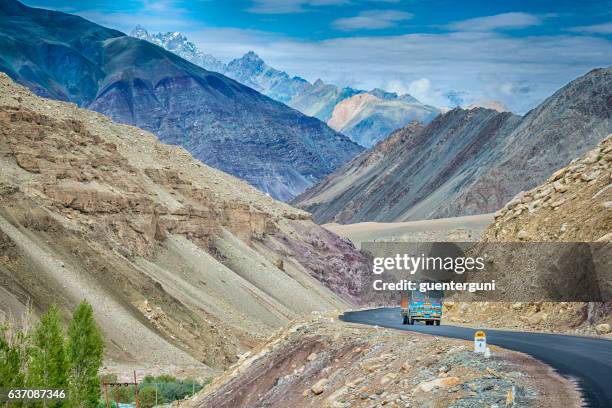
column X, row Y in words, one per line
column 443, row 52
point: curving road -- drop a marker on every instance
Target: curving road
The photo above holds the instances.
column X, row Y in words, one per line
column 586, row 360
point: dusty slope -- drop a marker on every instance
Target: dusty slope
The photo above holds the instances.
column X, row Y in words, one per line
column 467, row 161
column 183, row 263
column 322, row 363
column 367, row 118
column 573, row 205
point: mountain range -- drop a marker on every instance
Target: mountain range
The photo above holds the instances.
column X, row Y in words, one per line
column 185, row 266
column 220, row 121
column 365, row 119
column 465, row 161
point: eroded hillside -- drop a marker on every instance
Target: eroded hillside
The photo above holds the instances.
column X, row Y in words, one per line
column 182, row 263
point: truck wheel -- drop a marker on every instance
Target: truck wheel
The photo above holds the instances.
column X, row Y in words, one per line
column 437, row 322
column 410, row 321
column 405, row 320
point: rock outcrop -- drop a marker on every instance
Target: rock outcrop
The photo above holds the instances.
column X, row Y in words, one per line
column 183, row 264
column 573, row 205
column 324, row 363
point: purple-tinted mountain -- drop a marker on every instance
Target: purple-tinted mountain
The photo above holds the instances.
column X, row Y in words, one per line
column 220, row 121
column 466, row 161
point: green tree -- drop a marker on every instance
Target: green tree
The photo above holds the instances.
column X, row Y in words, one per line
column 47, row 365
column 11, row 358
column 146, row 397
column 85, row 349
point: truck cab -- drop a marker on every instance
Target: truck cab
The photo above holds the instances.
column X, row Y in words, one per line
column 422, row 306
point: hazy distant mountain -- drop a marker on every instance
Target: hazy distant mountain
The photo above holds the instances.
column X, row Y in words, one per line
column 320, row 99
column 181, row 46
column 221, row 122
column 382, row 113
column 466, row 161
column 252, row 71
column 369, row 117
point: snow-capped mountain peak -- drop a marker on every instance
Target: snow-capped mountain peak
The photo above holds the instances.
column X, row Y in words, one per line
column 177, row 43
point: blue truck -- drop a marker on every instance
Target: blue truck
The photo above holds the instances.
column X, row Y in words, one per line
column 422, row 306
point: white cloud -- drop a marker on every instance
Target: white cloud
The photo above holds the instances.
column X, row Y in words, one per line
column 604, row 28
column 426, row 92
column 289, row 6
column 397, row 86
column 507, row 88
column 504, row 21
column 372, row 20
column 473, row 64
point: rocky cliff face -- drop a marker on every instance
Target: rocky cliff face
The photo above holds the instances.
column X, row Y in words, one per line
column 367, row 118
column 221, row 122
column 178, row 259
column 468, row 161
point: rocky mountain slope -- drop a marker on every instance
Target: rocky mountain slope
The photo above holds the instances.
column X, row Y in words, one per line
column 221, row 122
column 183, row 264
column 466, row 161
column 325, row 363
column 367, row 118
column 572, row 205
column 412, row 172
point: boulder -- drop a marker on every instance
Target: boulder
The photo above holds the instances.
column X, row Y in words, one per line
column 603, row 328
column 442, row 383
column 319, row 386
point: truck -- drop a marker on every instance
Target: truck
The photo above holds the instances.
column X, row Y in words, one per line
column 422, row 306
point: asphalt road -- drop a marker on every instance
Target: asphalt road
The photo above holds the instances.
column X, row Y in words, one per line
column 586, row 360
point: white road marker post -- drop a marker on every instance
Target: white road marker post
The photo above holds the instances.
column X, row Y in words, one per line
column 480, row 342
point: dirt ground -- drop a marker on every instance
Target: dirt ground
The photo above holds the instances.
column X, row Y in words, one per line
column 459, row 229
